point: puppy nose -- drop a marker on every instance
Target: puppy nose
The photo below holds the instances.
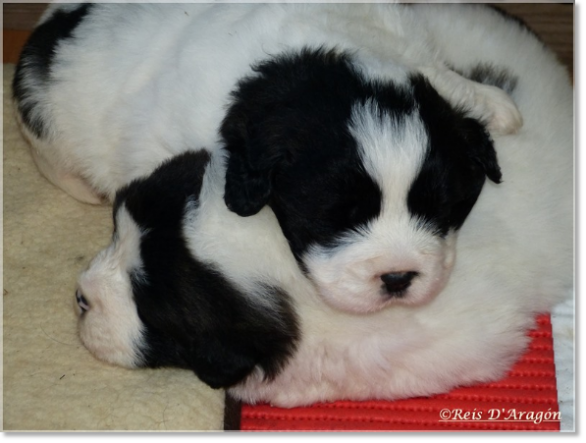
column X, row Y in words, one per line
column 82, row 303
column 397, row 282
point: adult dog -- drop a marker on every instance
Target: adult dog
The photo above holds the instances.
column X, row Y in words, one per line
column 187, row 282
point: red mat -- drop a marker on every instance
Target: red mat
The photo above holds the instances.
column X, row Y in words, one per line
column 526, row 400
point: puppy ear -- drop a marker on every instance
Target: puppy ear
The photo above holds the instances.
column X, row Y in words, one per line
column 477, row 143
column 225, row 355
column 255, row 145
column 247, row 190
column 221, row 362
column 481, row 149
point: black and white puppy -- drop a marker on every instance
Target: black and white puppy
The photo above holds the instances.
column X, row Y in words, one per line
column 346, row 147
column 345, row 119
column 370, row 186
column 148, row 300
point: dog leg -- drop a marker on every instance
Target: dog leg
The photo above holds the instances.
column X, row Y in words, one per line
column 491, row 105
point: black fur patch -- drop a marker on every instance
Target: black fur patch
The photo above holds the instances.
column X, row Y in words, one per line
column 36, row 59
column 490, row 74
column 194, row 317
column 494, row 76
column 460, row 155
column 158, row 201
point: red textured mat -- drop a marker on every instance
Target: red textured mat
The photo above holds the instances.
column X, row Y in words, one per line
column 526, row 400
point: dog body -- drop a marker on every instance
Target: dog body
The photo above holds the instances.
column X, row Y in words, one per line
column 259, row 303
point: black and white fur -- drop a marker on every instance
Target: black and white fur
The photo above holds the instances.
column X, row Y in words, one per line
column 162, row 306
column 363, row 161
column 107, row 92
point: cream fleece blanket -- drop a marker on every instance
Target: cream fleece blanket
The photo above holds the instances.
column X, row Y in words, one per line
column 50, row 381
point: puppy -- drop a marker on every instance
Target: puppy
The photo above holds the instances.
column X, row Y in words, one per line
column 230, row 297
column 352, row 100
column 149, row 300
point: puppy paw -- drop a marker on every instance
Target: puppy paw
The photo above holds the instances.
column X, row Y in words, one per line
column 489, row 104
column 494, row 106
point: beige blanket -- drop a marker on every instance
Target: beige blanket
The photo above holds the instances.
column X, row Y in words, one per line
column 50, row 381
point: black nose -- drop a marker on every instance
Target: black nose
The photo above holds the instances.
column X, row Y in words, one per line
column 395, row 283
column 82, row 302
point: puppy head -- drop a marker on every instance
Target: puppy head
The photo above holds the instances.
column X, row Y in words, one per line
column 146, row 301
column 370, row 180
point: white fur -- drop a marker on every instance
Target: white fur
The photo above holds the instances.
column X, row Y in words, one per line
column 514, row 251
column 110, row 328
column 248, row 250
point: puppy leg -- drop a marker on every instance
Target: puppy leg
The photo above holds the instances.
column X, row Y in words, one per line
column 489, row 104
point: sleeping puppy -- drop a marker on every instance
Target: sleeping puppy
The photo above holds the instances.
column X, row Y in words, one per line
column 370, row 187
column 352, row 100
column 187, row 282
column 149, row 300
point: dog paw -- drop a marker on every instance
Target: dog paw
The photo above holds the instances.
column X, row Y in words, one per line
column 489, row 104
column 494, row 106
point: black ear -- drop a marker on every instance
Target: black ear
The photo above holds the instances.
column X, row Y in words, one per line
column 480, row 147
column 225, row 355
column 255, row 150
column 477, row 143
column 247, row 190
column 221, row 362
